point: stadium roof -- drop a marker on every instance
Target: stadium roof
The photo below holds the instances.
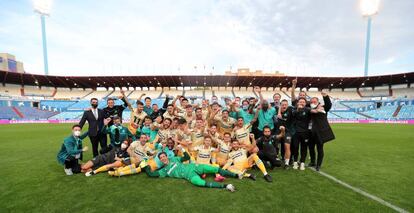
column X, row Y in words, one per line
column 203, row 80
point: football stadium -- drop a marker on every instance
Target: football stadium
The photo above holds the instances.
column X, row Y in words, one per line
column 204, row 137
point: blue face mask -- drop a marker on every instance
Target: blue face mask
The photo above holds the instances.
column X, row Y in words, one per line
column 245, row 108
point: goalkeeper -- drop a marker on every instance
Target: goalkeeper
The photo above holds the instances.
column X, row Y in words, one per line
column 174, row 167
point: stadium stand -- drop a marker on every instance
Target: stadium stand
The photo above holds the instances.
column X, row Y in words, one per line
column 406, row 112
column 53, row 99
column 384, row 112
column 30, row 91
column 32, row 113
column 222, row 92
column 153, row 94
column 10, row 90
column 75, row 93
column 7, row 113
column 403, row 93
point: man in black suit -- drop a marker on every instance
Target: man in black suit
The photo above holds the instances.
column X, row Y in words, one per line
column 320, row 128
column 95, row 118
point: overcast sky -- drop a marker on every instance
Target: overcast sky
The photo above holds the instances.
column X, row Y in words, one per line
column 134, row 37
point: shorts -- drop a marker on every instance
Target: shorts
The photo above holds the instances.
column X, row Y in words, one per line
column 104, row 159
column 221, row 161
column 287, row 139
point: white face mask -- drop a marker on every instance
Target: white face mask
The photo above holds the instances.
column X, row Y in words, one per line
column 124, row 146
column 313, row 106
column 76, row 133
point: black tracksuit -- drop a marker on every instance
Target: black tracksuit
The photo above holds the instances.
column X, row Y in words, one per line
column 268, row 149
column 321, row 132
column 303, row 134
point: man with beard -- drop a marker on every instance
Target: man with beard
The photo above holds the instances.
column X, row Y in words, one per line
column 285, row 119
column 115, row 110
column 156, row 111
column 268, row 146
column 95, row 118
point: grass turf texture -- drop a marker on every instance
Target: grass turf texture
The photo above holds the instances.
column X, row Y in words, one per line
column 374, row 157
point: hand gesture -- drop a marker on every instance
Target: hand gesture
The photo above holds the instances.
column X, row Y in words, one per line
column 251, row 135
column 294, row 82
column 282, row 128
column 106, row 121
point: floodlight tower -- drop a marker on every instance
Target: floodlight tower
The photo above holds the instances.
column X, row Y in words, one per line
column 368, row 9
column 43, row 8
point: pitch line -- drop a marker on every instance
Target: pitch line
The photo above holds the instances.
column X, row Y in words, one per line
column 360, row 191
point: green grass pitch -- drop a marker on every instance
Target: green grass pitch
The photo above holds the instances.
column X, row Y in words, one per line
column 376, row 158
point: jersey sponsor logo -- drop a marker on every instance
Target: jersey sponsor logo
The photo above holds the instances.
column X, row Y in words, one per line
column 203, row 155
column 237, row 155
column 243, row 135
column 223, row 150
column 172, row 168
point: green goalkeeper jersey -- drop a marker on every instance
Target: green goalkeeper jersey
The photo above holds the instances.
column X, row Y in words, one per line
column 175, row 168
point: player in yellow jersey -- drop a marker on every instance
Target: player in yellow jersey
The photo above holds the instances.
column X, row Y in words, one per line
column 224, row 122
column 138, row 151
column 223, row 150
column 242, row 131
column 163, row 131
column 205, row 154
column 183, row 136
column 137, row 117
column 238, row 161
column 197, row 134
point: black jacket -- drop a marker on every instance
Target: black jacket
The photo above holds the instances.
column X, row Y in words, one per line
column 320, row 125
column 94, row 125
column 115, row 111
column 161, row 110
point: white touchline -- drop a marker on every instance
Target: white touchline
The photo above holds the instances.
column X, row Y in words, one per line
column 360, row 191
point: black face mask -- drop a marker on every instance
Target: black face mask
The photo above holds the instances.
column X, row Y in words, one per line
column 94, row 106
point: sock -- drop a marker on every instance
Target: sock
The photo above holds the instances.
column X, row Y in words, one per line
column 130, row 171
column 223, row 172
column 246, row 175
column 101, row 169
column 214, row 185
column 259, row 164
column 286, row 161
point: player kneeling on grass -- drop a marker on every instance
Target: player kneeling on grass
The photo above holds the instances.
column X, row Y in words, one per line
column 238, row 161
column 138, row 151
column 174, row 167
column 268, row 146
column 71, row 151
column 116, row 157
